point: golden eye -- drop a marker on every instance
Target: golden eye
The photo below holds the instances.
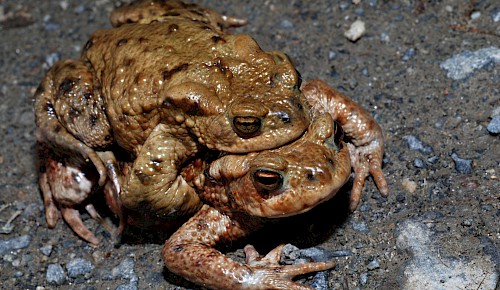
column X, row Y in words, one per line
column 267, row 180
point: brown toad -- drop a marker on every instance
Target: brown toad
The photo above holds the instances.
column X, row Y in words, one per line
column 165, row 85
column 131, row 85
column 163, row 88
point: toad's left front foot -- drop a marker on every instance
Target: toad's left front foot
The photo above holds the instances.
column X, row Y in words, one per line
column 272, row 275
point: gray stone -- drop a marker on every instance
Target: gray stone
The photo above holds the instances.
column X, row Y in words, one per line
column 431, row 268
column 125, row 269
column 463, row 166
column 14, row 244
column 409, row 54
column 462, row 65
column 415, row 144
column 46, row 250
column 320, row 280
column 286, row 24
column 494, row 125
column 373, row 264
column 495, row 14
column 55, row 274
column 361, row 227
column 79, row 267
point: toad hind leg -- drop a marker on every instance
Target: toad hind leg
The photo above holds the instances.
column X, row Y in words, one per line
column 190, row 253
column 153, row 184
column 366, row 145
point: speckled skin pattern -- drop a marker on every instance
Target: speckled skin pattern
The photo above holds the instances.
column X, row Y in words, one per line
column 161, row 88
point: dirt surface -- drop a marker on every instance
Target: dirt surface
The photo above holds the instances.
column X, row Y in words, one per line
column 441, row 162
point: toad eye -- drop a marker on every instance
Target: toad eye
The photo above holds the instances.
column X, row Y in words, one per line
column 246, row 126
column 267, row 180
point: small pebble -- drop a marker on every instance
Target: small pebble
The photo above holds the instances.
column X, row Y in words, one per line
column 286, row 24
column 344, row 6
column 320, row 280
column 372, row 3
column 433, row 160
column 475, row 15
column 363, row 279
column 55, row 274
column 373, row 264
column 64, row 5
column 463, row 166
column 415, row 144
column 290, row 252
column 18, row 274
column 46, row 250
column 79, row 267
column 361, row 227
column 495, row 112
column 494, row 125
column 14, row 244
column 384, row 37
column 356, row 30
column 467, row 223
column 125, row 269
column 332, row 55
column 495, row 14
column 409, row 54
column 364, row 207
column 129, row 286
column 365, row 72
column 419, row 163
column 409, row 186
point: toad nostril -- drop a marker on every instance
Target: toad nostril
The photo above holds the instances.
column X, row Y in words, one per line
column 285, row 118
column 246, row 126
column 267, row 180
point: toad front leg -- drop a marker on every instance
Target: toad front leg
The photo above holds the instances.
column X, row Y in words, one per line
column 189, row 253
column 153, row 184
column 366, row 143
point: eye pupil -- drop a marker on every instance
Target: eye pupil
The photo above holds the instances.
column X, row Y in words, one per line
column 246, row 126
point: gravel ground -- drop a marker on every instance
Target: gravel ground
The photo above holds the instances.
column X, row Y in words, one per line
column 427, row 70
